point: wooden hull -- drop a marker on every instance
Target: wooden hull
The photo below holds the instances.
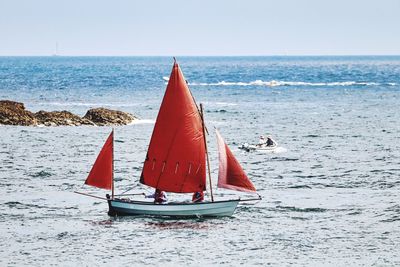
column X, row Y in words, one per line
column 204, row 209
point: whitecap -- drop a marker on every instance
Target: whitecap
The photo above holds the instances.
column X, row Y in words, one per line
column 274, row 83
column 142, row 122
column 87, row 104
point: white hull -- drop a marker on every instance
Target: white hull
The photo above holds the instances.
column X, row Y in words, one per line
column 202, row 209
column 258, row 148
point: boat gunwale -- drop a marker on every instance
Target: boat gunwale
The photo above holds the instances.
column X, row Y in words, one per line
column 172, row 203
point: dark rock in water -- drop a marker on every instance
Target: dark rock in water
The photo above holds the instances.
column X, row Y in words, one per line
column 14, row 113
column 102, row 116
column 56, row 118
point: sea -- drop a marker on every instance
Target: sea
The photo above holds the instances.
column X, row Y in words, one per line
column 330, row 193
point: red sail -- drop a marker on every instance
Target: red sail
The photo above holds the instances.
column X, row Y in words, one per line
column 175, row 160
column 231, row 175
column 101, row 174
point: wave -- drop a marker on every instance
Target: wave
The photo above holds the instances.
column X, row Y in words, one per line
column 144, row 121
column 86, row 104
column 296, row 209
column 223, row 103
column 277, row 150
column 274, row 83
column 41, row 174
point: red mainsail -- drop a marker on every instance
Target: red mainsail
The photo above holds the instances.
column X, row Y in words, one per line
column 175, row 160
column 231, row 175
column 101, row 174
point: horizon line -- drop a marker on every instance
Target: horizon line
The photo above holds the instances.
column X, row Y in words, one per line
column 277, row 55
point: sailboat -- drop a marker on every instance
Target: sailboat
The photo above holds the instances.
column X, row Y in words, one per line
column 175, row 162
column 56, row 54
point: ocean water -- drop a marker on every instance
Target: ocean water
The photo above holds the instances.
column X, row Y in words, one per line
column 330, row 195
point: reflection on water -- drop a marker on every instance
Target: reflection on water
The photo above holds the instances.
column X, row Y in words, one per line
column 176, row 225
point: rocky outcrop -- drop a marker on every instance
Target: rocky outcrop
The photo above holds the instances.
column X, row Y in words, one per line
column 56, row 118
column 102, row 116
column 14, row 113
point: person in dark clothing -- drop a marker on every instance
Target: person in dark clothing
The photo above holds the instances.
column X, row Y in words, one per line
column 198, row 196
column 270, row 142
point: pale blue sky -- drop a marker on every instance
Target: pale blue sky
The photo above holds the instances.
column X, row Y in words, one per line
column 203, row 27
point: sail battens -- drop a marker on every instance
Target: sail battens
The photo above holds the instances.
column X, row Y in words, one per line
column 177, row 137
column 198, row 169
column 101, row 174
column 163, row 167
column 231, row 175
column 190, row 167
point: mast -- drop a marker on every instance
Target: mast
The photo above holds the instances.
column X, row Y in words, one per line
column 205, row 145
column 112, row 171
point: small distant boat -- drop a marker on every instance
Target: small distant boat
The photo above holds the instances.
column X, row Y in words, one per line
column 267, row 144
column 56, row 54
column 247, row 147
column 175, row 162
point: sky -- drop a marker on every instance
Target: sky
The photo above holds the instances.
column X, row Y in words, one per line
column 199, row 28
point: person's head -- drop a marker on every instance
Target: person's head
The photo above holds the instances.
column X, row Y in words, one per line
column 158, row 190
column 261, row 136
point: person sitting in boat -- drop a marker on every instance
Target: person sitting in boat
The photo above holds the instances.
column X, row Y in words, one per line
column 262, row 141
column 159, row 196
column 270, row 141
column 198, row 197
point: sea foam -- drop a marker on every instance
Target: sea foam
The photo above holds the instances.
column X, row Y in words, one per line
column 274, row 83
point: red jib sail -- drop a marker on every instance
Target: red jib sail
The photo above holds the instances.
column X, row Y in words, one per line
column 101, row 174
column 231, row 175
column 175, row 160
